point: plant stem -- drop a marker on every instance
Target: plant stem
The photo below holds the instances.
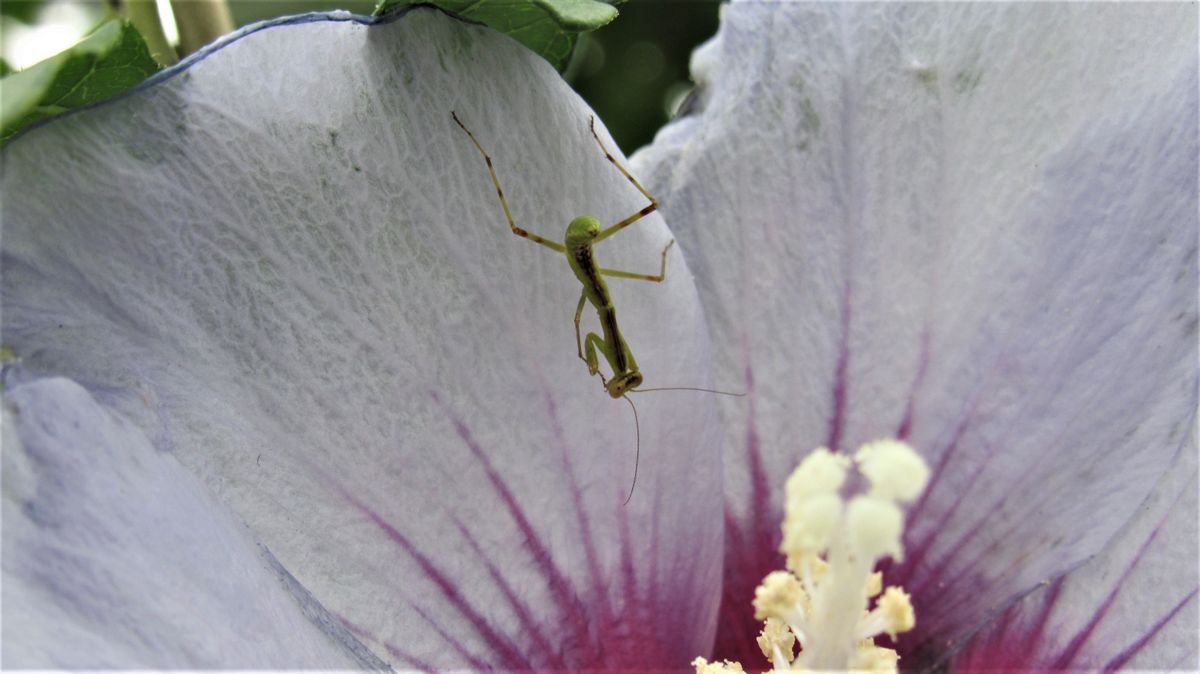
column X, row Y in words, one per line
column 200, row 22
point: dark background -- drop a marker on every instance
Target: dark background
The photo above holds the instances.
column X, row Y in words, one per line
column 634, row 71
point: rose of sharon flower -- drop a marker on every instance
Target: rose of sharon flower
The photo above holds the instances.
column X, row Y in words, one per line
column 278, row 348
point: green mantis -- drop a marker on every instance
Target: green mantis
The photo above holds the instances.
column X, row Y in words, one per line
column 582, row 233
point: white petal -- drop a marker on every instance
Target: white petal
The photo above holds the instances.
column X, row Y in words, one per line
column 116, row 556
column 289, row 265
column 972, row 226
column 1132, row 608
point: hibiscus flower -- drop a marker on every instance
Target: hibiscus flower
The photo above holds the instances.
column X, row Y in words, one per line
column 284, row 390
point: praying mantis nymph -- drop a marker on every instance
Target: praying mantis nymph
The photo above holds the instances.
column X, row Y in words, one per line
column 582, row 233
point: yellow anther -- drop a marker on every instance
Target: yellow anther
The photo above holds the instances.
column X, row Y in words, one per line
column 893, row 613
column 896, row 607
column 705, row 667
column 777, row 643
column 778, row 596
column 808, row 567
column 871, row 659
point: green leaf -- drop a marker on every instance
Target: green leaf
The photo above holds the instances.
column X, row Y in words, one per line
column 548, row 27
column 24, row 11
column 110, row 60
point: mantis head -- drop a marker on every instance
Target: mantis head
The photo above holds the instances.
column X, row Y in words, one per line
column 618, row 386
column 581, row 232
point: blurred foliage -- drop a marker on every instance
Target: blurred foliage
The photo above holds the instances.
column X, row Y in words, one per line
column 112, row 59
column 633, row 71
column 249, row 11
column 548, row 27
column 21, row 10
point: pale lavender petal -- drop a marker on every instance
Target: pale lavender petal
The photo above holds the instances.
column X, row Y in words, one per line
column 116, row 556
column 969, row 225
column 1133, row 608
column 288, row 265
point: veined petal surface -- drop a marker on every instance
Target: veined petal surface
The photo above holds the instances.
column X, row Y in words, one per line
column 288, row 266
column 1133, row 607
column 117, row 556
column 971, row 226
